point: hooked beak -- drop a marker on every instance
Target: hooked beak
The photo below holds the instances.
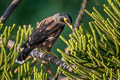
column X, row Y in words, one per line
column 68, row 23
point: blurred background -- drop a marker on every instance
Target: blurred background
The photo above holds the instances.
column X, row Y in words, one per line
column 31, row 11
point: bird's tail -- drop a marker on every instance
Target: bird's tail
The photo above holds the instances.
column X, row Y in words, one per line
column 23, row 54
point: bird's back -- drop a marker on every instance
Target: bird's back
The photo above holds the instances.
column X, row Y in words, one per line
column 53, row 29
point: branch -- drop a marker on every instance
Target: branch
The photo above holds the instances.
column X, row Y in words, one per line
column 9, row 10
column 78, row 21
column 43, row 56
column 81, row 14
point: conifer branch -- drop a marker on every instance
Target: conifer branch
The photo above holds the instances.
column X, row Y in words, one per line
column 43, row 56
column 78, row 20
column 80, row 14
column 9, row 10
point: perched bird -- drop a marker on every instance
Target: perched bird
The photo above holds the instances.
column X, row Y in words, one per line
column 45, row 35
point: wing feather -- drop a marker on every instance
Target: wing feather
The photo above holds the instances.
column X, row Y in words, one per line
column 37, row 37
column 40, row 34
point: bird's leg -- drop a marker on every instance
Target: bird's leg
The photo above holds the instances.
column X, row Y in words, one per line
column 28, row 58
column 49, row 52
column 47, row 63
column 52, row 53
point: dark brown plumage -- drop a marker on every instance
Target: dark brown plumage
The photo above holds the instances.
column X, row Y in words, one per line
column 45, row 35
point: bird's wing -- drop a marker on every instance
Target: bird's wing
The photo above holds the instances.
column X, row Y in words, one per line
column 40, row 34
column 45, row 21
column 37, row 37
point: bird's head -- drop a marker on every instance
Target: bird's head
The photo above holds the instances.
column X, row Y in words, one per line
column 63, row 18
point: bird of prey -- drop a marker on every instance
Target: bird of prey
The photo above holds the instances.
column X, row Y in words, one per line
column 45, row 35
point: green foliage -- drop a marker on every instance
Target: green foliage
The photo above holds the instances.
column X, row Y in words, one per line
column 93, row 55
column 96, row 55
column 8, row 68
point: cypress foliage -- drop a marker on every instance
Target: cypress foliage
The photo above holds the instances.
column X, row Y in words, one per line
column 93, row 55
column 8, row 69
column 96, row 55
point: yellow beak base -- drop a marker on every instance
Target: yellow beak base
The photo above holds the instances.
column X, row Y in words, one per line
column 70, row 25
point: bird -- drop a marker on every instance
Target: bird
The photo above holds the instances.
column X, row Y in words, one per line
column 45, row 35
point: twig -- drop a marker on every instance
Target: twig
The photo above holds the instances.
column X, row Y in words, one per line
column 43, row 56
column 78, row 20
column 9, row 10
column 81, row 14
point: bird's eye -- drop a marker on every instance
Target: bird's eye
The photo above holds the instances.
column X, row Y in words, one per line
column 61, row 19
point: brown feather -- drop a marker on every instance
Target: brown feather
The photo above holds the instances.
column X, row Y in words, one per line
column 48, row 44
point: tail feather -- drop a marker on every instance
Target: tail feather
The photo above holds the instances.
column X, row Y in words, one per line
column 23, row 55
